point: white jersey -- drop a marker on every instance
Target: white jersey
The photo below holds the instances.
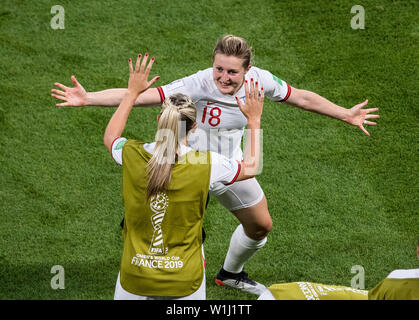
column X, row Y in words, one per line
column 223, row 170
column 220, row 121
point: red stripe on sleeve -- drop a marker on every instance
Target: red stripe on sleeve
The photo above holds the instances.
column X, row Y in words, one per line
column 161, row 93
column 114, row 142
column 288, row 94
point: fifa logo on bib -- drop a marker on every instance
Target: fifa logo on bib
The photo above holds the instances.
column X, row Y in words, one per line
column 158, row 204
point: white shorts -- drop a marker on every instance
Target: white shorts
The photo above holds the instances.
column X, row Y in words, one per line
column 239, row 195
column 122, row 294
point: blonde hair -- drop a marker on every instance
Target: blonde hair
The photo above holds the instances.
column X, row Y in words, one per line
column 177, row 118
column 234, row 46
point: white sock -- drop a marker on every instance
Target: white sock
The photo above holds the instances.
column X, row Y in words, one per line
column 241, row 249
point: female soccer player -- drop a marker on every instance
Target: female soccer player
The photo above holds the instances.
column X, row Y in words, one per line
column 163, row 199
column 220, row 128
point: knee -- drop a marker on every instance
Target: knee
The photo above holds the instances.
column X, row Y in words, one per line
column 260, row 231
column 265, row 228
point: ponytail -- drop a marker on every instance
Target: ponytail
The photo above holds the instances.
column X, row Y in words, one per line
column 177, row 110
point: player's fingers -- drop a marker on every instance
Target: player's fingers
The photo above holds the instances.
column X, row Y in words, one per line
column 75, row 82
column 61, row 86
column 246, row 89
column 144, row 63
column 252, row 88
column 370, row 123
column 262, row 95
column 59, row 97
column 149, row 66
column 362, row 104
column 256, row 92
column 239, row 103
column 58, row 92
column 138, row 63
column 153, row 80
column 372, row 116
column 130, row 66
column 64, row 104
column 365, row 131
column 371, row 110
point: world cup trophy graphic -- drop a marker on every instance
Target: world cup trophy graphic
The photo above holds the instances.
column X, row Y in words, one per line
column 158, row 204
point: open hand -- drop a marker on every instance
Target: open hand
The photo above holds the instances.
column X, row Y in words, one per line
column 138, row 78
column 358, row 116
column 253, row 106
column 73, row 97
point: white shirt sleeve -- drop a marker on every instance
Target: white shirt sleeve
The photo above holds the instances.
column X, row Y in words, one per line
column 191, row 86
column 116, row 148
column 223, row 169
column 274, row 88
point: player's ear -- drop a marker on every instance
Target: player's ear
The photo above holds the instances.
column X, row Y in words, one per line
column 248, row 68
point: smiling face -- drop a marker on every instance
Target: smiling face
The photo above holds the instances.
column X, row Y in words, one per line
column 228, row 73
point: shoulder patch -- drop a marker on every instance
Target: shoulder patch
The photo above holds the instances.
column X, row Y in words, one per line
column 120, row 144
column 175, row 84
column 277, row 79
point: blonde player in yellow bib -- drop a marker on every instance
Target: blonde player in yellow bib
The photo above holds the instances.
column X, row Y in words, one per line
column 165, row 190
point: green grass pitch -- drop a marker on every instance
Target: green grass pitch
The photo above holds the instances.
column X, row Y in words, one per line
column 337, row 197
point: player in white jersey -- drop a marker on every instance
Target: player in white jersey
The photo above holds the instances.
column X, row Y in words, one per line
column 214, row 91
column 220, row 120
column 169, row 168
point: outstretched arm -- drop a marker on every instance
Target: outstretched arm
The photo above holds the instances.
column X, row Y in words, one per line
column 252, row 109
column 138, row 83
column 77, row 96
column 356, row 116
